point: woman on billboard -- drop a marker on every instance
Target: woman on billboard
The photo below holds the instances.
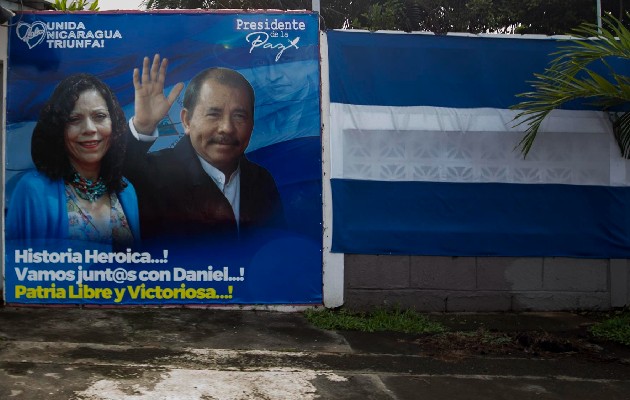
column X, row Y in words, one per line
column 78, row 191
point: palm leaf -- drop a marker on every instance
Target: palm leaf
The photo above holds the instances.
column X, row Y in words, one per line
column 621, row 129
column 569, row 78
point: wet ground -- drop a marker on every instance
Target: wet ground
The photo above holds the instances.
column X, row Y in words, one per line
column 61, row 353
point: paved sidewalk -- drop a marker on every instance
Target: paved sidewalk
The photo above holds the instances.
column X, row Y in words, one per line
column 61, row 353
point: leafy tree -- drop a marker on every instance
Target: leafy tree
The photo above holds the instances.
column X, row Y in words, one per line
column 386, row 16
column 439, row 16
column 75, row 5
column 554, row 17
column 571, row 76
column 505, row 16
column 335, row 13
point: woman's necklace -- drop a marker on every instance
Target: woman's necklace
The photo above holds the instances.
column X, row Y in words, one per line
column 95, row 217
column 87, row 189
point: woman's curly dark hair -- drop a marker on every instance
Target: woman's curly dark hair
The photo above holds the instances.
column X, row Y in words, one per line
column 48, row 148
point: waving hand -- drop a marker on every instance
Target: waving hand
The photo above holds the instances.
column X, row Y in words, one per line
column 151, row 105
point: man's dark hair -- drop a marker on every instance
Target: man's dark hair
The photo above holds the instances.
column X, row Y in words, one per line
column 224, row 76
column 48, row 148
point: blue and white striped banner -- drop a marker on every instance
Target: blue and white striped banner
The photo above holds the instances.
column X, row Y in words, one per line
column 423, row 155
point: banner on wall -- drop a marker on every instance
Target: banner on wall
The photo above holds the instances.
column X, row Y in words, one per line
column 425, row 160
column 219, row 205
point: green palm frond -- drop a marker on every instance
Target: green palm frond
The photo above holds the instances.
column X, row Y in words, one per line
column 621, row 128
column 568, row 77
column 75, row 5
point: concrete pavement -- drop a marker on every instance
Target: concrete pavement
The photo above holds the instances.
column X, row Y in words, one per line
column 71, row 353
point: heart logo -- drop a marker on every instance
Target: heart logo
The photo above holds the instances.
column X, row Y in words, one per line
column 31, row 34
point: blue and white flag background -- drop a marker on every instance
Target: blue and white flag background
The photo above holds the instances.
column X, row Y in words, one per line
column 423, row 159
column 44, row 48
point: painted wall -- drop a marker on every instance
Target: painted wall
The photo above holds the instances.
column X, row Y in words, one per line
column 463, row 284
column 421, row 136
column 445, row 283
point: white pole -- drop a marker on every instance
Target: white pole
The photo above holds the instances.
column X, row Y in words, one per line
column 316, row 6
column 599, row 15
column 333, row 263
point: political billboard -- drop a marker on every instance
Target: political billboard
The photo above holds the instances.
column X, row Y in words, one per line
column 163, row 158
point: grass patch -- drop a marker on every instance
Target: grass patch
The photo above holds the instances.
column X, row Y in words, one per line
column 407, row 321
column 615, row 328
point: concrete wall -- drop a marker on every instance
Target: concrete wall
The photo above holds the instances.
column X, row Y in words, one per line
column 485, row 283
column 450, row 283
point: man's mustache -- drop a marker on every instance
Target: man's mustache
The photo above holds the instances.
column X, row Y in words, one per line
column 225, row 140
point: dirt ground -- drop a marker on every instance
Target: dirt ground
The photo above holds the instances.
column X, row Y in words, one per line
column 577, row 343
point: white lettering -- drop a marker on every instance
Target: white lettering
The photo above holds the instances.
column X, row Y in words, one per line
column 273, row 25
column 260, row 39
